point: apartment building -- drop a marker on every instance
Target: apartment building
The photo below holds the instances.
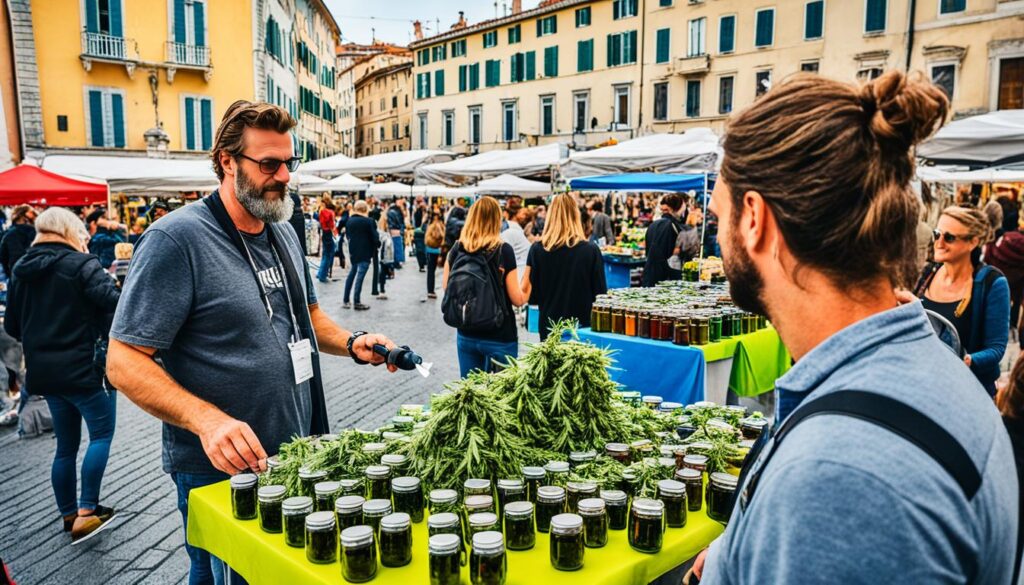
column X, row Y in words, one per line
column 316, row 36
column 274, row 57
column 383, row 101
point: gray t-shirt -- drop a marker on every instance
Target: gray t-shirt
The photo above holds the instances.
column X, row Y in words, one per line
column 191, row 295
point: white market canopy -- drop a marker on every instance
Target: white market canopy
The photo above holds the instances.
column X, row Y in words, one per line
column 522, row 162
column 346, row 182
column 325, row 166
column 510, row 185
column 392, row 189
column 305, row 183
column 992, row 139
column 137, row 174
column 400, row 164
column 993, row 175
column 695, row 151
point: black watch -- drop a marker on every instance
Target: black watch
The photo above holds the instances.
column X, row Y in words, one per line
column 351, row 353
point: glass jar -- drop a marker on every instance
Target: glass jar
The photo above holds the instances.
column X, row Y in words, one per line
column 642, row 449
column 667, row 329
column 726, row 319
column 595, row 522
column 753, row 427
column 396, row 540
column 378, row 484
column 618, row 320
column 444, row 523
column 694, row 482
column 653, row 402
column 681, row 332
column 534, row 478
column 294, row 511
column 646, row 525
column 721, row 487
column 487, row 562
column 482, row 522
column 243, row 495
column 673, row 494
column 308, row 479
column 321, row 538
column 577, row 458
column 374, row 451
column 618, row 452
column 749, row 323
column 407, row 495
column 715, row 328
column 445, row 559
column 666, row 466
column 353, row 487
column 550, row 503
column 270, row 498
column 696, row 461
column 643, row 324
column 326, row 492
column 594, row 318
column 519, row 531
column 654, row 325
column 576, row 491
column 558, row 472
column 349, row 510
column 616, row 505
column 476, row 487
column 403, row 423
column 373, row 511
column 358, row 554
column 628, row 483
column 444, row 501
column 478, row 504
column 567, row 544
column 703, row 330
column 510, row 490
column 631, row 317
column 399, row 464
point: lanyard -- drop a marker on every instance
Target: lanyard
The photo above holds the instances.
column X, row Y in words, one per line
column 264, row 295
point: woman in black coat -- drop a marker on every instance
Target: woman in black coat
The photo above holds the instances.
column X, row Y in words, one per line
column 59, row 307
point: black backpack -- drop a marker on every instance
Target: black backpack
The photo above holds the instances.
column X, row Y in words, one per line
column 474, row 300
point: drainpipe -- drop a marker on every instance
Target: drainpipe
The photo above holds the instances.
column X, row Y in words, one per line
column 643, row 43
column 910, row 32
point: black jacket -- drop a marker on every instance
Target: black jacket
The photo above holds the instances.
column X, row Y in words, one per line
column 363, row 240
column 453, row 229
column 14, row 244
column 59, row 303
column 660, row 241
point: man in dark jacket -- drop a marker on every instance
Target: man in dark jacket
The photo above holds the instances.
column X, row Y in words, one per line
column 17, row 239
column 396, row 229
column 1007, row 254
column 363, row 241
column 453, row 228
column 602, row 224
column 661, row 241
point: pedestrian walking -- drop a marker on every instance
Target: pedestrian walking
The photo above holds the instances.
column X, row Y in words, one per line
column 481, row 286
column 363, row 243
column 1007, row 254
column 602, row 225
column 328, row 231
column 18, row 238
column 660, row 241
column 387, row 257
column 514, row 236
column 1010, row 402
column 220, row 288
column 564, row 271
column 59, row 307
column 433, row 240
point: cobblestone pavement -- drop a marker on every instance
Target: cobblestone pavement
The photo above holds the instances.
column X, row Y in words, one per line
column 146, row 543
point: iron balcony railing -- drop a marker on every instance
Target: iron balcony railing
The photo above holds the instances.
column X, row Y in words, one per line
column 183, row 54
column 104, row 46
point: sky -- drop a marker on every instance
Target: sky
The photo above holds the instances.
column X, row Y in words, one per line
column 391, row 20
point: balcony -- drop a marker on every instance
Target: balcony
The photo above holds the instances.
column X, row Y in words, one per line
column 184, row 56
column 104, row 48
column 697, row 65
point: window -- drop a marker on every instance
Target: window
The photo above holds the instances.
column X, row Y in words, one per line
column 547, row 115
column 814, row 20
column 1011, row 84
column 469, row 77
column 869, row 73
column 809, row 66
column 523, row 67
column 383, row 104
column 515, row 34
column 952, row 6
column 459, row 48
column 875, row 15
column 423, row 57
column 547, row 26
column 551, row 62
column 508, row 122
column 492, row 72
column 439, row 82
column 944, row 76
column 725, row 94
column 105, row 119
column 583, row 17
column 622, row 48
column 662, row 45
column 448, row 128
column 272, row 42
column 765, row 27
column 623, row 8
column 198, row 122
column 620, row 114
column 394, row 102
column 585, row 55
column 394, row 131
column 104, row 17
column 475, row 124
column 693, row 98
column 422, row 86
column 439, row 52
column 490, row 39
column 381, row 129
column 727, row 34
column 664, row 3
column 422, row 116
column 764, row 82
column 189, row 20
column 698, row 35
column 660, row 101
column 581, row 111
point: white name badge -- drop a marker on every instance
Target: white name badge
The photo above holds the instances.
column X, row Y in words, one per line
column 302, row 360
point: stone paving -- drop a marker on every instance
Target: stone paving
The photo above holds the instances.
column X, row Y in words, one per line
column 146, row 543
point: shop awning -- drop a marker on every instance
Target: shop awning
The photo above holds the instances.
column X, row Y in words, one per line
column 989, row 140
column 509, row 185
column 644, row 182
column 696, row 151
column 993, row 175
column 522, row 162
column 399, row 164
column 305, row 183
column 33, row 185
column 138, row 174
column 346, row 182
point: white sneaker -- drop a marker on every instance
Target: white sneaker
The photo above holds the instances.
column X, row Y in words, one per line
column 346, row 305
column 382, row 297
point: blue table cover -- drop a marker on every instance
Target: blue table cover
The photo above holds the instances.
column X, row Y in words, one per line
column 617, row 269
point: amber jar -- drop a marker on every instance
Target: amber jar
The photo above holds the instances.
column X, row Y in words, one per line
column 668, row 325
column 643, row 324
column 654, row 324
column 681, row 333
column 631, row 316
column 618, row 320
column 703, row 330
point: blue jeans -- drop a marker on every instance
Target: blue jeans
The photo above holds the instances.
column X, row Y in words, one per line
column 476, row 354
column 399, row 243
column 326, row 257
column 356, row 274
column 99, row 409
column 204, row 568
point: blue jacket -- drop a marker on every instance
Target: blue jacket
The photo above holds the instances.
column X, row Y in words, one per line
column 396, row 220
column 362, row 238
column 990, row 324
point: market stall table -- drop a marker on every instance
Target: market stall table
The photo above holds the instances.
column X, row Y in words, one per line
column 617, row 269
column 260, row 557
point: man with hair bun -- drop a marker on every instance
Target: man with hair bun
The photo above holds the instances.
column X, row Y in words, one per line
column 660, row 241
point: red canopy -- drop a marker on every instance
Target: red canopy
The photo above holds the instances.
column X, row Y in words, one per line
column 33, row 185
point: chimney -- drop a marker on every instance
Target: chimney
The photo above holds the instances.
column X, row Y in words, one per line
column 517, row 6
column 461, row 23
column 417, row 27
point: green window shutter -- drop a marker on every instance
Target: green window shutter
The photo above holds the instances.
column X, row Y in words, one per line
column 463, row 72
column 551, row 62
column 474, row 76
column 439, row 82
column 531, row 66
column 814, row 14
column 96, row 117
column 179, row 21
column 950, row 6
column 554, row 24
column 765, row 28
column 190, row 123
column 117, row 113
column 613, row 49
column 727, row 34
column 515, row 68
column 92, row 17
column 662, row 49
column 665, row 3
column 631, row 47
column 198, row 19
column 875, row 18
column 206, row 123
column 116, row 26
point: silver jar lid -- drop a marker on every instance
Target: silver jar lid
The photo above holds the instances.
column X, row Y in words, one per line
column 271, row 493
column 671, row 487
column 724, row 480
column 377, row 507
column 392, row 436
column 649, row 508
column 444, row 496
column 670, row 406
column 566, row 524
column 297, row 504
column 533, row 472
column 667, row 462
column 351, row 483
column 320, row 521
column 374, row 447
column 357, row 536
column 349, row 504
column 614, row 496
column 307, row 473
column 326, row 488
column 582, row 456
column 510, row 484
column 557, row 467
column 518, row 509
column 395, row 522
column 550, row 493
column 688, row 474
column 590, row 506
column 652, row 399
column 482, row 519
column 479, row 502
column 243, row 481
column 477, row 485
column 273, row 462
column 488, row 542
column 405, row 484
column 393, row 459
column 616, row 448
column 695, row 459
column 443, row 520
column 443, row 544
column 378, row 472
column 579, row 487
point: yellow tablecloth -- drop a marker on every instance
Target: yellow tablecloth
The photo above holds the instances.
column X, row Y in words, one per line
column 265, row 558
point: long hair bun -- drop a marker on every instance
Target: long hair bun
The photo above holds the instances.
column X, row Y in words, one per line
column 902, row 111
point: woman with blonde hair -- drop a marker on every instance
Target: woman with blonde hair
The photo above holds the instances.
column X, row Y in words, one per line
column 481, row 268
column 564, row 271
column 970, row 294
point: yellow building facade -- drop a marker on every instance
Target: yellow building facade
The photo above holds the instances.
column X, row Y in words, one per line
column 317, row 37
column 384, row 103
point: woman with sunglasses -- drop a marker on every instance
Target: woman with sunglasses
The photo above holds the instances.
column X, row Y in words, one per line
column 973, row 296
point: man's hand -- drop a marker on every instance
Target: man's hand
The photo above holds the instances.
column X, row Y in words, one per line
column 231, row 445
column 363, row 348
column 698, row 563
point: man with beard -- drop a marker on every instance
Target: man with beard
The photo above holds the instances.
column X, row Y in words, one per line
column 661, row 240
column 219, row 290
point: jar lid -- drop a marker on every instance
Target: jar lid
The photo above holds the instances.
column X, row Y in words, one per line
column 736, row 408
column 557, row 467
column 395, row 522
column 510, row 484
column 747, row 444
column 357, row 536
column 533, row 472
column 442, row 520
column 377, row 507
column 307, row 473
column 754, row 422
column 703, row 404
column 444, row 496
column 402, row 420
column 566, row 523
column 652, row 399
column 671, row 487
column 614, row 496
column 641, row 444
column 550, row 493
column 518, row 509
column 374, row 447
column 320, row 521
column 628, row 474
column 581, row 486
column 326, row 488
column 582, row 455
column 590, row 506
column 243, row 481
column 488, row 542
column 723, row 480
column 478, row 502
column 616, row 447
column 297, row 503
column 476, row 484
column 271, row 493
column 442, row 544
column 696, row 459
column 349, row 504
column 482, row 519
column 669, row 406
column 393, row 459
column 688, row 474
column 669, row 450
column 273, row 462
column 391, row 436
column 667, row 462
column 350, row 483
column 378, row 472
column 405, row 484
column 646, row 507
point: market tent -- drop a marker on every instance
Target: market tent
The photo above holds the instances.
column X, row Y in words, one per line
column 400, row 164
column 325, row 166
column 523, row 162
column 509, row 185
column 443, row 191
column 346, row 182
column 992, row 139
column 126, row 174
column 30, row 184
column 992, row 175
column 392, row 189
column 646, row 182
column 306, row 183
column 696, row 151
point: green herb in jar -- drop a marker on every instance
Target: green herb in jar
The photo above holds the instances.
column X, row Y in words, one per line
column 349, row 510
column 694, row 482
column 399, row 464
column 270, row 497
column 477, row 504
column 577, row 458
column 444, row 501
column 482, row 522
column 445, row 559
column 326, row 492
column 487, row 562
column 308, row 479
column 753, row 427
column 618, row 452
column 358, row 554
column 321, row 538
column 353, row 487
column 378, row 484
column 243, row 495
column 595, row 522
column 294, row 511
column 373, row 511
column 576, row 491
column 444, row 523
column 476, row 487
column 628, row 484
column 567, row 544
column 721, row 487
column 558, row 472
column 519, row 532
column 646, row 525
column 550, row 503
column 534, row 478
column 407, row 494
column 395, row 540
column 510, row 490
column 616, row 504
column 673, row 494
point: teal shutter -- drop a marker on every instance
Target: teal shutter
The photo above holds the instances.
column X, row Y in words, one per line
column 514, row 67
column 613, row 49
column 814, row 15
column 117, row 113
column 662, row 46
column 92, row 17
column 631, row 47
column 551, row 62
column 463, row 73
column 554, row 24
column 540, row 27
column 949, row 6
column 96, row 117
column 727, row 34
column 531, row 66
column 765, row 28
column 199, row 21
column 439, row 82
column 206, row 123
column 190, row 123
column 875, row 19
column 116, row 24
column 179, row 21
